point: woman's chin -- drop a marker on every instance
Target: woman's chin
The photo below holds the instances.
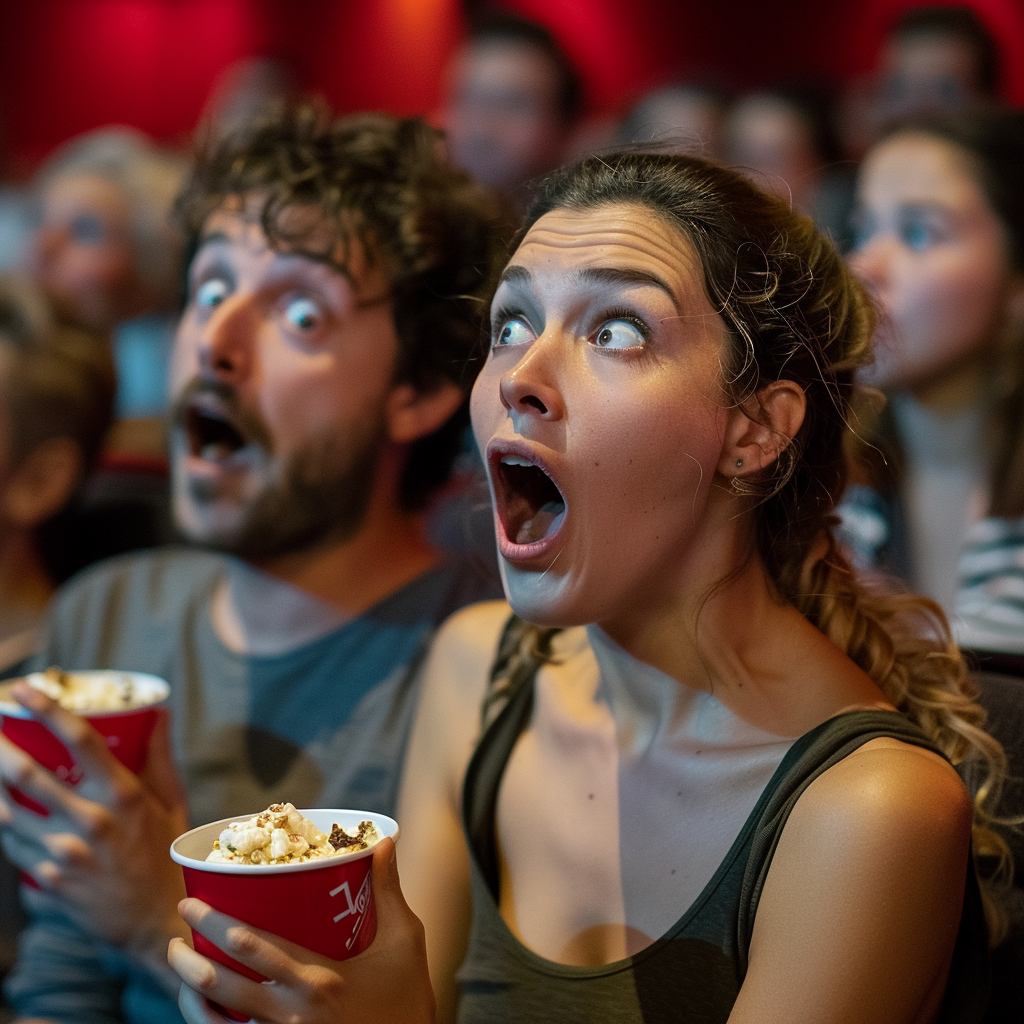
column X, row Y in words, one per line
column 543, row 598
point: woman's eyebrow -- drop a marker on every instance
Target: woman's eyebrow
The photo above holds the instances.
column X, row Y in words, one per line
column 518, row 275
column 624, row 275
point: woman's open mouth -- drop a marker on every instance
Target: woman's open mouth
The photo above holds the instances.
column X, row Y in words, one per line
column 530, row 507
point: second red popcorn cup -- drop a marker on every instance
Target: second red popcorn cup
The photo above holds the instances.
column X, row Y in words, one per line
column 126, row 731
column 325, row 904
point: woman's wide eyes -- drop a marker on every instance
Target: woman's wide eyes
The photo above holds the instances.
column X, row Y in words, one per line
column 619, row 334
column 212, row 292
column 513, row 332
column 302, row 313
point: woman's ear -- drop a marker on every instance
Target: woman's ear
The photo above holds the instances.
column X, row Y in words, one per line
column 43, row 482
column 760, row 429
column 411, row 414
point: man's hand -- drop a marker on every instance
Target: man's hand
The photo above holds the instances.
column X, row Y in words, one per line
column 388, row 982
column 103, row 850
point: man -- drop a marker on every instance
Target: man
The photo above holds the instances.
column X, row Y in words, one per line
column 513, row 98
column 319, row 391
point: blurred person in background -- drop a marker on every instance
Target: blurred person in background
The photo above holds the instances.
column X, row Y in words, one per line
column 56, row 398
column 941, row 247
column 513, row 100
column 935, row 59
column 784, row 139
column 106, row 253
column 244, row 92
column 15, row 212
column 320, row 377
column 691, row 113
column 56, row 401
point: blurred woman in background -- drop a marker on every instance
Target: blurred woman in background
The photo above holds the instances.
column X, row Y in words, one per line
column 941, row 246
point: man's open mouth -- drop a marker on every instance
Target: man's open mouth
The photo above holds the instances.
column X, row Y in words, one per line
column 212, row 436
column 530, row 506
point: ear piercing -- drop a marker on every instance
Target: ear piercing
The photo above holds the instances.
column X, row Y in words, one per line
column 739, row 462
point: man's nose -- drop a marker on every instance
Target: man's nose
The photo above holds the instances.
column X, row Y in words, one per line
column 227, row 339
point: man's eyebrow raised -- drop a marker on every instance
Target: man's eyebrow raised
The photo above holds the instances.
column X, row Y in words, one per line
column 211, row 237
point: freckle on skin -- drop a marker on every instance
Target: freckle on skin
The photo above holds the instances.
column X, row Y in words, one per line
column 591, row 797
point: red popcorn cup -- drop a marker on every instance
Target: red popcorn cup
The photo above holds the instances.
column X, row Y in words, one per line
column 324, row 905
column 127, row 731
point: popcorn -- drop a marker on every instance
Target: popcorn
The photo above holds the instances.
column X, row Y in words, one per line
column 281, row 835
column 89, row 691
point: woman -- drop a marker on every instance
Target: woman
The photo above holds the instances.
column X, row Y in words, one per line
column 942, row 249
column 662, row 415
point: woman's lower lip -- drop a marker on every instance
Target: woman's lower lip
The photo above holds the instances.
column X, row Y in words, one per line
column 520, row 553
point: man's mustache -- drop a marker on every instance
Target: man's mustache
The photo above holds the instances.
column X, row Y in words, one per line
column 248, row 423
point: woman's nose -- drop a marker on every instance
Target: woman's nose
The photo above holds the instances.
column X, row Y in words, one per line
column 529, row 389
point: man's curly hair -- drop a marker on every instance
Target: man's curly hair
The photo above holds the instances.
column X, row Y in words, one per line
column 386, row 183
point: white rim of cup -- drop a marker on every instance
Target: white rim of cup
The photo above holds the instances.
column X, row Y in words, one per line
column 387, row 827
column 11, row 709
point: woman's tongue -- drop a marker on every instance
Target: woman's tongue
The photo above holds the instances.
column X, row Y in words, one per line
column 538, row 523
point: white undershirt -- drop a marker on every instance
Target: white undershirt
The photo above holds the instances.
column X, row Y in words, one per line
column 638, row 786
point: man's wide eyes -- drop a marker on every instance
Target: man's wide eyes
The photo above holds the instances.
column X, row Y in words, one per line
column 302, row 313
column 212, row 292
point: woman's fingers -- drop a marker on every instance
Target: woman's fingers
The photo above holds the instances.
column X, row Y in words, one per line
column 222, row 985
column 273, row 957
column 196, row 1009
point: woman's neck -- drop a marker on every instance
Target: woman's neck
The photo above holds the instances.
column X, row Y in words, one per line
column 733, row 635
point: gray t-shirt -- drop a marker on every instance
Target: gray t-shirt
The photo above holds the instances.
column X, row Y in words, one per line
column 325, row 725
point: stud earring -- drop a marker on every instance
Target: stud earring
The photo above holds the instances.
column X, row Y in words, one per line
column 739, row 462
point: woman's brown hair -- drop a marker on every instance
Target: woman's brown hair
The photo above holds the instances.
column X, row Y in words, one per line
column 794, row 312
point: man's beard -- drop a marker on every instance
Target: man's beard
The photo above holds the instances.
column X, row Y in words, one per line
column 319, row 496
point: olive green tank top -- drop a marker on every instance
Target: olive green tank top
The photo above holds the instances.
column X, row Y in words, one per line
column 693, row 973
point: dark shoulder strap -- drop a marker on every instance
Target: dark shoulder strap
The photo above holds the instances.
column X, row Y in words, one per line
column 811, row 755
column 506, row 713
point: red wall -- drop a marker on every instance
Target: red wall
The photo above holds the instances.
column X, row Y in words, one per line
column 70, row 65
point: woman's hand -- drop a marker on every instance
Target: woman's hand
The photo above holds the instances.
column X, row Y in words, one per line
column 387, row 982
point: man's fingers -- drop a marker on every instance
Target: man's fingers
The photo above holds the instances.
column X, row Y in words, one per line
column 89, row 748
column 21, row 771
column 221, row 984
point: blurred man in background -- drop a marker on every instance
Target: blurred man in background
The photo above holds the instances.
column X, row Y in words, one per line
column 513, row 98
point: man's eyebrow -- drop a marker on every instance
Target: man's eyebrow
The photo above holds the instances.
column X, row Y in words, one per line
column 210, row 238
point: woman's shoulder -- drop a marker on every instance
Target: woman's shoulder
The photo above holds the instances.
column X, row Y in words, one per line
column 888, row 783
